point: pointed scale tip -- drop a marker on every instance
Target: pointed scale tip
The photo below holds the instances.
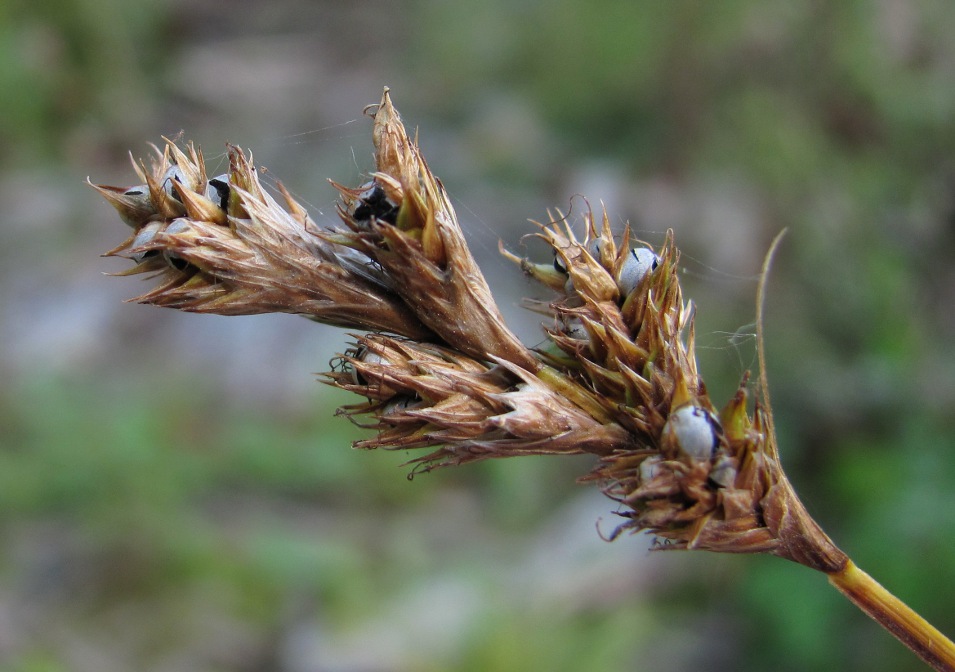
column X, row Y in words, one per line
column 134, row 206
column 199, row 207
column 681, row 394
column 734, row 418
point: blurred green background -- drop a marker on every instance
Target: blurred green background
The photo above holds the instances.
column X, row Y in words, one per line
column 174, row 491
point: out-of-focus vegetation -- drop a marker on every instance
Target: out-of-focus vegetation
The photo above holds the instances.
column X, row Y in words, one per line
column 174, row 491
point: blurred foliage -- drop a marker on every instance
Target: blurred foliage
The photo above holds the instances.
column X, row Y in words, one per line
column 147, row 524
column 77, row 68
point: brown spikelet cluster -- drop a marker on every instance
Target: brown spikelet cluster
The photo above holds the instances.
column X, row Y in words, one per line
column 440, row 370
column 695, row 477
column 402, row 219
column 224, row 245
column 423, row 395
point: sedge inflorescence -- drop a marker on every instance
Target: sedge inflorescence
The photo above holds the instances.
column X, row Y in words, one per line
column 435, row 365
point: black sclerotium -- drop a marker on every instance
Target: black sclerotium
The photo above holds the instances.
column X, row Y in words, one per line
column 375, row 204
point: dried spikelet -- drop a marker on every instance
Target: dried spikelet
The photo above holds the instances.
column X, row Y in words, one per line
column 689, row 476
column 226, row 246
column 423, row 395
column 403, row 220
column 619, row 380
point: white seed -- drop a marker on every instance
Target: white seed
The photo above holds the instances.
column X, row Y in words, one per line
column 399, row 404
column 693, row 431
column 594, row 247
column 366, row 356
column 372, row 380
column 179, row 225
column 137, row 206
column 723, row 472
column 138, row 190
column 569, row 288
column 639, row 263
column 559, row 264
column 650, row 468
column 143, row 237
column 174, row 173
column 217, row 191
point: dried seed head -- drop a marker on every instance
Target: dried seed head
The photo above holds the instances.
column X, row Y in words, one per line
column 619, row 379
column 404, row 221
column 465, row 409
column 224, row 245
column 682, row 476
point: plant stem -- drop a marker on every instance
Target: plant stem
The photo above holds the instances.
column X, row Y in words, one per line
column 895, row 616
